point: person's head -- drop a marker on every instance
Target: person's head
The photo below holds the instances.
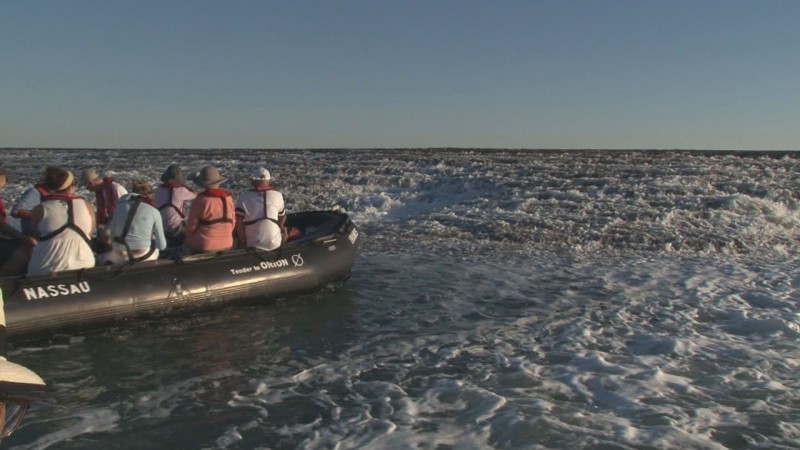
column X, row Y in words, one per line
column 141, row 187
column 58, row 180
column 209, row 178
column 2, row 178
column 260, row 177
column 91, row 180
column 173, row 174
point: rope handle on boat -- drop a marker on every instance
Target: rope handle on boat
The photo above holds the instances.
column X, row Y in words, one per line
column 176, row 289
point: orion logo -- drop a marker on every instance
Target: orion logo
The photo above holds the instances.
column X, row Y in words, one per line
column 297, row 260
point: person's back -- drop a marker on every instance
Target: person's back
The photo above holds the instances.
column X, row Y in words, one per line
column 170, row 199
column 211, row 219
column 261, row 228
column 63, row 223
column 260, row 214
column 209, row 226
column 136, row 229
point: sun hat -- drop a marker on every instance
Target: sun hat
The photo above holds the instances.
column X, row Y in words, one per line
column 173, row 173
column 260, row 174
column 209, row 177
column 67, row 181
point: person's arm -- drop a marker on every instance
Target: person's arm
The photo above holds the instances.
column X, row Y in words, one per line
column 236, row 223
column 185, row 198
column 239, row 229
column 36, row 218
column 232, row 212
column 158, row 230
column 191, row 220
column 282, row 216
column 23, row 208
column 90, row 208
column 119, row 190
column 190, row 195
column 22, row 214
column 16, row 234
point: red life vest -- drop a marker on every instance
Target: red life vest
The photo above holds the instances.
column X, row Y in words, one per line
column 106, row 201
column 42, row 191
column 221, row 194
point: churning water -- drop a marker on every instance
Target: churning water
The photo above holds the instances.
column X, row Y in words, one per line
column 501, row 299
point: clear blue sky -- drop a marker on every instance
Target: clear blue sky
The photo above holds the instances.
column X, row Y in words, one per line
column 707, row 74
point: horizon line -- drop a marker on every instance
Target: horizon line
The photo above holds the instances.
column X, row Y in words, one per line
column 414, row 148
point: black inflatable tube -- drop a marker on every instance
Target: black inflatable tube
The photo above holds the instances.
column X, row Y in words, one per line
column 42, row 305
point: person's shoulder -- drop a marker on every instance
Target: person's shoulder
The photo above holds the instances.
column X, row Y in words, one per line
column 151, row 209
column 247, row 194
column 187, row 191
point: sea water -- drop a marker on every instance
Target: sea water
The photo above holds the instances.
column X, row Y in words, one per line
column 500, row 299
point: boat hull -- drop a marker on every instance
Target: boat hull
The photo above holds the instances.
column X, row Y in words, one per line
column 87, row 298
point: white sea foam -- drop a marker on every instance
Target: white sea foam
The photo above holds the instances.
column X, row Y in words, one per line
column 500, row 300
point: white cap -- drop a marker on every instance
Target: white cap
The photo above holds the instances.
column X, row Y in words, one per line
column 260, row 174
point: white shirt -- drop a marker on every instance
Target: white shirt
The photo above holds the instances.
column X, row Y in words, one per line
column 259, row 211
column 65, row 251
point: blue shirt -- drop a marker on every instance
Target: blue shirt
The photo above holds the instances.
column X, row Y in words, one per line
column 146, row 228
column 29, row 200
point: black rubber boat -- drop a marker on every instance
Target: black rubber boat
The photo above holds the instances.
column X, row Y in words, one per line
column 323, row 253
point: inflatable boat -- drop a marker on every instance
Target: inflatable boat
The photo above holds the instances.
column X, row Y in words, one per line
column 324, row 252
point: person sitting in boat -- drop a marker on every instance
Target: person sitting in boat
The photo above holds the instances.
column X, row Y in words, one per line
column 63, row 223
column 211, row 219
column 170, row 199
column 260, row 214
column 107, row 193
column 137, row 233
column 14, row 252
column 23, row 207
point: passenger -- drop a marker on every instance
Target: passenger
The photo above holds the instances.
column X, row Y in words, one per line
column 63, row 222
column 170, row 199
column 260, row 214
column 14, row 252
column 107, row 193
column 136, row 229
column 211, row 220
column 23, row 208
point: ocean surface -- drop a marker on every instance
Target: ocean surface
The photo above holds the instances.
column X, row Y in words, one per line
column 500, row 300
